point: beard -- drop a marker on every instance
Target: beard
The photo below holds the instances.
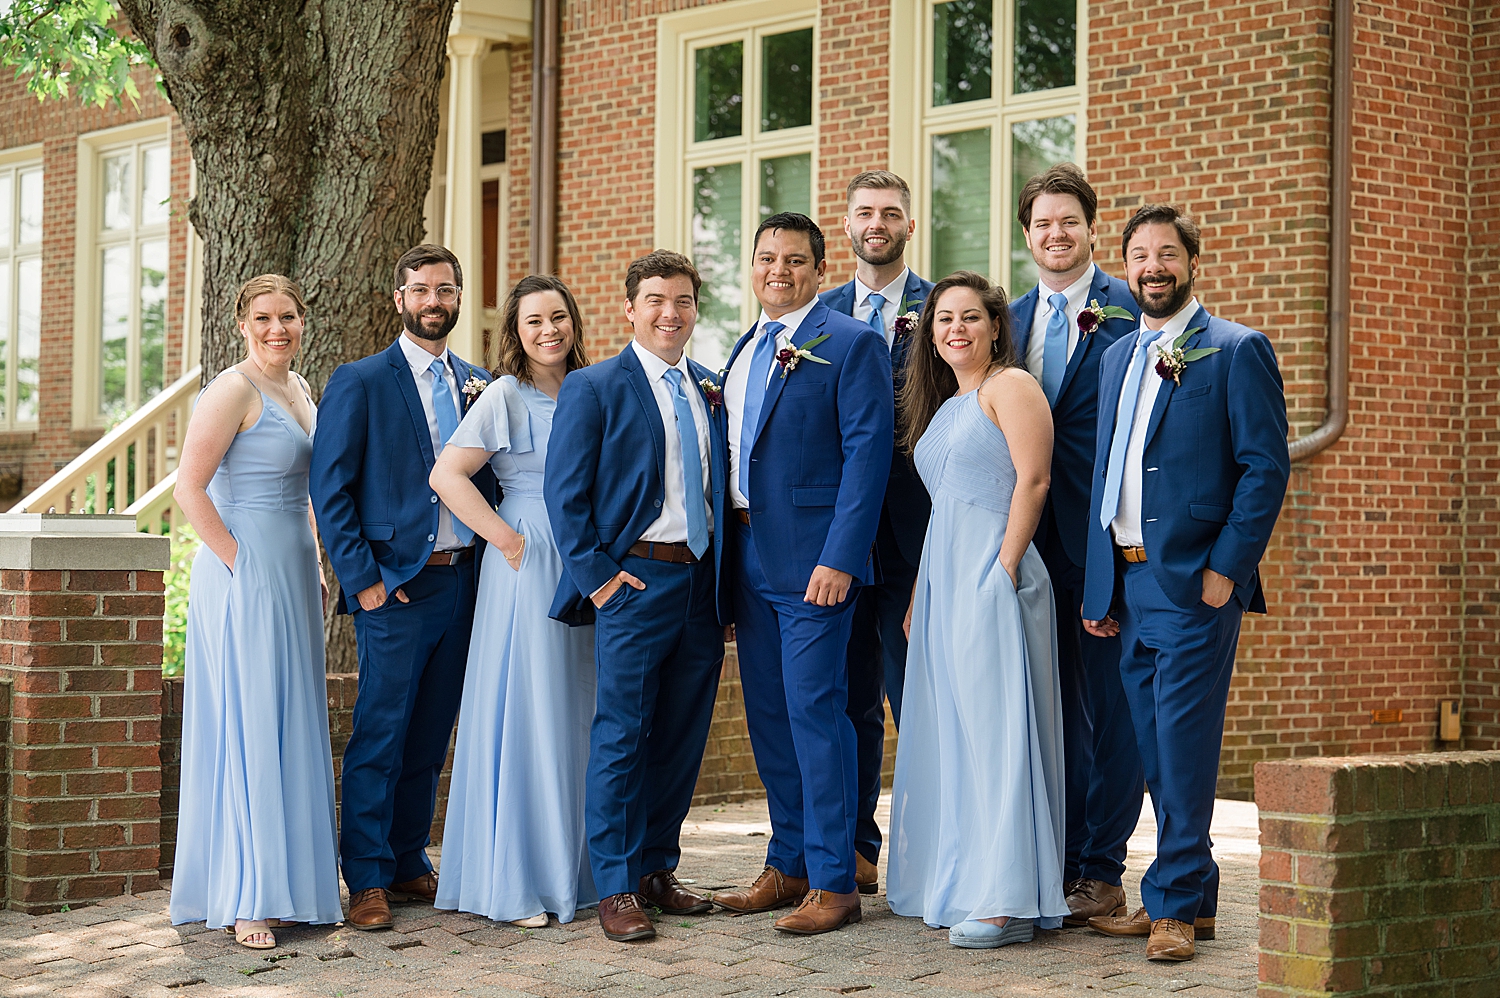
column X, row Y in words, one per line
column 1163, row 308
column 413, row 322
column 890, row 254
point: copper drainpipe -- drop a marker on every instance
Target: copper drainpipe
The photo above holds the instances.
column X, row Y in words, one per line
column 1341, row 142
column 545, row 25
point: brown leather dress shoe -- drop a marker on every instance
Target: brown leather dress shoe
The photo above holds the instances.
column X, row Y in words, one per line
column 821, row 911
column 662, row 889
column 369, row 911
column 624, row 918
column 1170, row 940
column 1088, row 898
column 866, row 879
column 1139, row 924
column 424, row 888
column 772, row 889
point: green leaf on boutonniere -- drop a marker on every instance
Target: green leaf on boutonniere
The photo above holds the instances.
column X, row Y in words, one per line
column 814, row 342
column 1188, row 356
column 1116, row 312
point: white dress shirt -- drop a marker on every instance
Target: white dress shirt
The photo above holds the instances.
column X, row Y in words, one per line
column 1077, row 294
column 1127, row 521
column 672, row 526
column 735, row 387
column 421, row 363
column 892, row 293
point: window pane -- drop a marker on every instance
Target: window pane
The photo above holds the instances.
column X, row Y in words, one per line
column 1034, row 147
column 28, row 337
column 786, row 184
column 156, row 185
column 117, row 186
column 115, row 325
column 718, row 92
column 153, row 316
column 786, row 80
column 961, row 202
column 717, row 238
column 30, row 209
column 963, row 51
column 6, row 191
column 1046, row 44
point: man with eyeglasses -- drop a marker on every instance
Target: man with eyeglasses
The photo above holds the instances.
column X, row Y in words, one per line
column 407, row 568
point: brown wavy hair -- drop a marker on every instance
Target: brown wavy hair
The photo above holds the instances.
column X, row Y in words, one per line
column 267, row 284
column 513, row 359
column 927, row 380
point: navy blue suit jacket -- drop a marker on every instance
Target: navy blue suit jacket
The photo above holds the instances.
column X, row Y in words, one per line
column 906, row 499
column 821, row 456
column 1075, row 417
column 606, row 473
column 1214, row 469
column 371, row 458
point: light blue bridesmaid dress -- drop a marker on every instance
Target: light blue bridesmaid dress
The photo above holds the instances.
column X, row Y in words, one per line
column 513, row 841
column 255, row 835
column 977, row 809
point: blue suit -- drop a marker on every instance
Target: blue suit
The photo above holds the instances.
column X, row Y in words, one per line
column 658, row 651
column 1213, row 475
column 1104, row 785
column 819, row 462
column 378, row 520
column 877, row 642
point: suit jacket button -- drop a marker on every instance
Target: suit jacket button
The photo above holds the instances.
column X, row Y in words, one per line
column 434, row 498
column 658, row 504
column 432, row 537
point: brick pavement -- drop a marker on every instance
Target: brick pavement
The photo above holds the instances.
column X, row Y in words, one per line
column 127, row 947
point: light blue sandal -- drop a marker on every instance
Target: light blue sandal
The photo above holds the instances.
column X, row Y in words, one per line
column 971, row 934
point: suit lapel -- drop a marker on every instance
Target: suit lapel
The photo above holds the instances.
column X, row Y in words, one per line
column 1024, row 314
column 842, row 299
column 407, row 385
column 811, row 327
column 718, row 461
column 1200, row 323
column 1098, row 291
column 913, row 294
column 637, row 377
column 1111, row 380
column 740, row 345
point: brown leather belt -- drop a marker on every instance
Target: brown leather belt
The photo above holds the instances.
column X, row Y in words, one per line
column 1135, row 555
column 677, row 553
column 450, row 557
column 742, row 515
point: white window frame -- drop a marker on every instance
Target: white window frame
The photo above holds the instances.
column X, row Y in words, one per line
column 678, row 37
column 914, row 121
column 16, row 161
column 87, row 287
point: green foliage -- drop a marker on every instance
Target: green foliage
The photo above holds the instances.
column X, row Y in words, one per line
column 70, row 47
column 174, row 626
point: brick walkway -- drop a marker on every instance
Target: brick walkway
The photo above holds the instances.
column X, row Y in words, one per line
column 127, row 947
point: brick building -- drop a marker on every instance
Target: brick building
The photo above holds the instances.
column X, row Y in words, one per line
column 679, row 124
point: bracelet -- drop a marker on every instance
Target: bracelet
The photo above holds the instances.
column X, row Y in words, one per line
column 519, row 549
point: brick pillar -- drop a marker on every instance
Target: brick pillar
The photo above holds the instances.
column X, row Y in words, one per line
column 80, row 647
column 1380, row 875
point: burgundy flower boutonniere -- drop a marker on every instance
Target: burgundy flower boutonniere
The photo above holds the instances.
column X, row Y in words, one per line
column 713, row 392
column 1091, row 318
column 1170, row 363
column 473, row 388
column 787, row 358
column 905, row 324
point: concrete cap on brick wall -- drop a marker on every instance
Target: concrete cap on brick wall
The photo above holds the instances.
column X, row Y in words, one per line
column 1354, row 784
column 60, row 541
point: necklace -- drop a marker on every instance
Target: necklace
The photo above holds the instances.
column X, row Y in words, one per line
column 281, row 392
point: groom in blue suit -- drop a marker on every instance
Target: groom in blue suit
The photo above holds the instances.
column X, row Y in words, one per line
column 878, row 225
column 1190, row 472
column 811, row 428
column 407, row 571
column 635, row 491
column 1104, row 784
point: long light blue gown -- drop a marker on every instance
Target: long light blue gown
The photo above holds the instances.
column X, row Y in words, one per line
column 255, row 835
column 977, row 809
column 513, row 842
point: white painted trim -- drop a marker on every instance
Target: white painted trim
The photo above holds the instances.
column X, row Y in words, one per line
column 18, row 155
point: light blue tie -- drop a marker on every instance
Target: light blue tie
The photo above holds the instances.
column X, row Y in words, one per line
column 755, row 396
column 877, row 315
column 446, row 410
column 692, row 467
column 1055, row 352
column 1123, row 423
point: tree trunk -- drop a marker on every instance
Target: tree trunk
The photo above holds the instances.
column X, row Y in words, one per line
column 312, row 124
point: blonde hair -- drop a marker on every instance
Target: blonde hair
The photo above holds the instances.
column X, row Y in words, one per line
column 267, row 284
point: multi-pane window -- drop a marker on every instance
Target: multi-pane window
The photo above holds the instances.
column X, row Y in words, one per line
column 749, row 155
column 134, row 210
column 1003, row 100
column 20, row 292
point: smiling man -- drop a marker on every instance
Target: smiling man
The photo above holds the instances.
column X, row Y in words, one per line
column 811, row 423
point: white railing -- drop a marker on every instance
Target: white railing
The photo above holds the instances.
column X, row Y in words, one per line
column 131, row 468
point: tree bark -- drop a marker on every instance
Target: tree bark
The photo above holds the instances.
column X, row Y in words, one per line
column 312, row 124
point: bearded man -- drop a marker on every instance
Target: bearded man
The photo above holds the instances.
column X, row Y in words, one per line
column 407, row 569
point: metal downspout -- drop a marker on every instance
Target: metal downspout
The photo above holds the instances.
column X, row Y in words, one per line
column 545, row 27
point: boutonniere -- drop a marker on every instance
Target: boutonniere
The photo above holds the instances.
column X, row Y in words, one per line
column 473, row 387
column 789, row 357
column 906, row 322
column 1170, row 363
column 1090, row 318
column 714, row 393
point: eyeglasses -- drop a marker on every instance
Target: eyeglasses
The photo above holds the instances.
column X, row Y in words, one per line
column 447, row 294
